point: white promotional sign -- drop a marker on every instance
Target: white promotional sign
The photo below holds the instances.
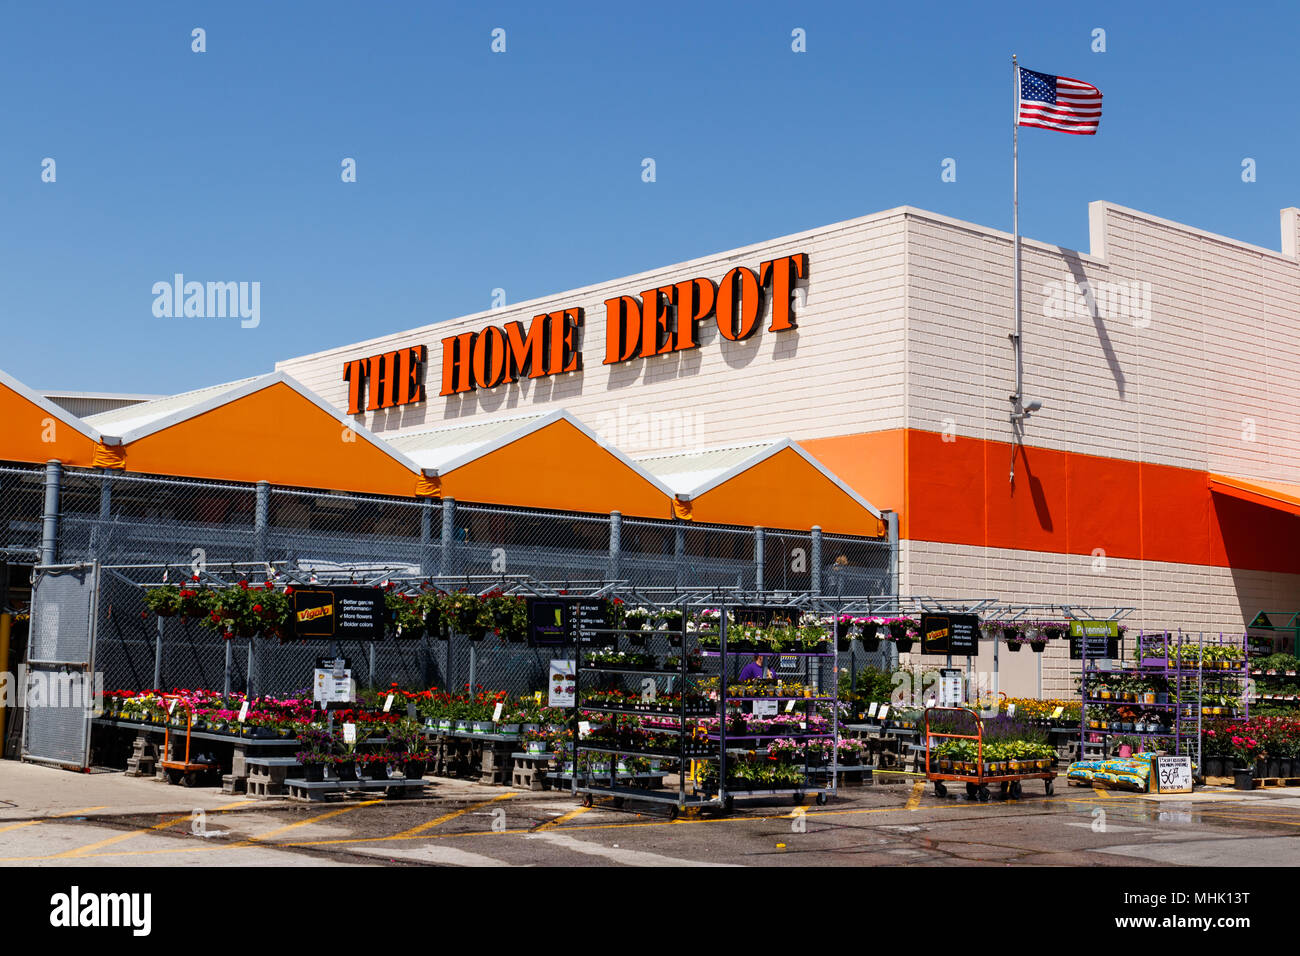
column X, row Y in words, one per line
column 349, row 733
column 1174, row 774
column 561, row 686
column 330, row 689
column 765, row 708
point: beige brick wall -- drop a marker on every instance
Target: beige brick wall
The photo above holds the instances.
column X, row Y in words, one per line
column 1164, row 596
column 840, row 373
column 1217, row 355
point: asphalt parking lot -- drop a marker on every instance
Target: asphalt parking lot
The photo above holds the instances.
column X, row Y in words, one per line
column 50, row 817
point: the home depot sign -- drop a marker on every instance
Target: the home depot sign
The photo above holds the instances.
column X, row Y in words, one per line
column 663, row 320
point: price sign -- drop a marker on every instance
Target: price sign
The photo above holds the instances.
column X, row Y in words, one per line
column 561, row 687
column 1057, row 712
column 951, row 687
column 1174, row 774
column 388, row 703
column 789, row 707
column 1011, row 710
column 349, row 733
column 243, row 712
column 871, row 711
column 584, row 728
column 333, row 685
column 884, row 711
column 496, row 711
column 765, row 708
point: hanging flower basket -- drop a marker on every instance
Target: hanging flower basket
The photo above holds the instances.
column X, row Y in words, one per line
column 1038, row 646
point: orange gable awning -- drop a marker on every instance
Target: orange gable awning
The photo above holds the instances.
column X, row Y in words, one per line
column 1270, row 494
column 34, row 429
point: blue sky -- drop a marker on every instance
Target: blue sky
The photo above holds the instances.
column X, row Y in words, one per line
column 522, row 170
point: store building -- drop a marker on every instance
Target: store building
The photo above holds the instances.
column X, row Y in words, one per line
column 853, row 377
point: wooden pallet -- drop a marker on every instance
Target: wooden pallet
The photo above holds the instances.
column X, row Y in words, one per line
column 1260, row 783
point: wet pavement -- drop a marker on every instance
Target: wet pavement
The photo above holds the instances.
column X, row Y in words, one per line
column 51, row 818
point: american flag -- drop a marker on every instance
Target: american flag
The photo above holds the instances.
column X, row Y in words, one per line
column 1058, row 102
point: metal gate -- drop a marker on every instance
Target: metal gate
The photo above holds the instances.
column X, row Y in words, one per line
column 59, row 691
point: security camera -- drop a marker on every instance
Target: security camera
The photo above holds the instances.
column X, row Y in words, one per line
column 1033, row 405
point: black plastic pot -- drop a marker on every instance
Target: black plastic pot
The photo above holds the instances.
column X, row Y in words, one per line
column 1038, row 646
column 1243, row 779
column 1274, row 767
column 842, row 644
column 870, row 643
column 1214, row 767
column 904, row 645
column 314, row 772
column 346, row 770
column 1014, row 646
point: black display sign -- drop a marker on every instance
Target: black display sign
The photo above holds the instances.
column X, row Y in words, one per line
column 957, row 634
column 548, row 622
column 344, row 614
column 1100, row 647
column 587, row 616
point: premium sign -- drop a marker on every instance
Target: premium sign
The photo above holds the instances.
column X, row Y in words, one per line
column 349, row 613
column 950, row 634
column 663, row 320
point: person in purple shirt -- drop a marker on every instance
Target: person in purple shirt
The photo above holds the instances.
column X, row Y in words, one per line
column 754, row 670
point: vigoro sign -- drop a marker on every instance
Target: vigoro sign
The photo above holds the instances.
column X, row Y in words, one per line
column 663, row 320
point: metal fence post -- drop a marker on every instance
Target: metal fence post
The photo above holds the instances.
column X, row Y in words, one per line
column 815, row 559
column 426, row 536
column 157, row 656
column 615, row 544
column 759, row 538
column 99, row 532
column 50, row 515
column 891, row 524
column 230, row 660
column 261, row 516
column 679, row 553
column 445, row 563
column 248, row 678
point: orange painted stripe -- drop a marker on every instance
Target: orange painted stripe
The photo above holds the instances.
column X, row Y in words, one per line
column 958, row 492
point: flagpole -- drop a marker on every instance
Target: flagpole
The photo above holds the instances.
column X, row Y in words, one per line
column 1015, row 223
column 1017, row 413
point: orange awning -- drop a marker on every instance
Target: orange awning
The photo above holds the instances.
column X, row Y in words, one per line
column 1270, row 494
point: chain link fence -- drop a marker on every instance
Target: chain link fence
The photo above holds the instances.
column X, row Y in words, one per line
column 137, row 525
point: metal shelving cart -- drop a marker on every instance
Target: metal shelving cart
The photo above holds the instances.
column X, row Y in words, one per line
column 1183, row 664
column 977, row 784
column 687, row 745
column 804, row 664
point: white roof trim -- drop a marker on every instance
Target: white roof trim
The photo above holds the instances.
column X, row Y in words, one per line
column 767, row 453
column 45, row 405
column 526, row 429
column 252, row 386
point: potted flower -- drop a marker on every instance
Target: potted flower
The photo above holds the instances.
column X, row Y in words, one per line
column 405, row 614
column 164, row 600
column 409, row 747
column 318, row 752
column 1246, row 750
column 1013, row 633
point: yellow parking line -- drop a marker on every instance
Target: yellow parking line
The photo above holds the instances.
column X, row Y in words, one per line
column 1101, row 793
column 302, row 823
column 436, row 821
column 565, row 818
column 78, row 851
column 19, row 826
column 914, row 801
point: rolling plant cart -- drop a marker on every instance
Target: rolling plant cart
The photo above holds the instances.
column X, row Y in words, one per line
column 804, row 665
column 672, row 736
column 978, row 781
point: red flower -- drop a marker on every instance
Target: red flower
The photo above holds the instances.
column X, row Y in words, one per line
column 257, row 609
column 244, row 584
